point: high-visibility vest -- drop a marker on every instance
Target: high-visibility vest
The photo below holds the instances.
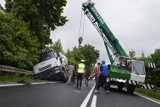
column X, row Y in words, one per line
column 81, row 67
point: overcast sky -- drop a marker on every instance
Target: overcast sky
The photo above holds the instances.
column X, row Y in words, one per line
column 135, row 23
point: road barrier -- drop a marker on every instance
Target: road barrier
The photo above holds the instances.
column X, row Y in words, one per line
column 149, row 86
column 14, row 69
column 153, row 87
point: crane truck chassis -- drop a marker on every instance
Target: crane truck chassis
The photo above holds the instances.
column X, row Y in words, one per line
column 124, row 72
column 51, row 65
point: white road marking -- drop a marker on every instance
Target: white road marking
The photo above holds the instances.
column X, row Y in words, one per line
column 44, row 83
column 94, row 101
column 88, row 97
column 147, row 98
column 8, row 85
column 21, row 84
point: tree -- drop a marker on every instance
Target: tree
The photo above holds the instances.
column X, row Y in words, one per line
column 1, row 8
column 17, row 47
column 57, row 46
column 87, row 53
column 90, row 54
column 74, row 56
column 143, row 55
column 144, row 58
column 132, row 54
column 155, row 57
column 152, row 75
column 40, row 15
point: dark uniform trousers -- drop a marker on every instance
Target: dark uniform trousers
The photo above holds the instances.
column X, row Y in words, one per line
column 79, row 79
column 102, row 80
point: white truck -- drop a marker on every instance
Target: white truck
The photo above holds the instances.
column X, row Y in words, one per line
column 51, row 66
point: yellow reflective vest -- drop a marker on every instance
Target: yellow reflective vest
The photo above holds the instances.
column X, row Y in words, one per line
column 81, row 68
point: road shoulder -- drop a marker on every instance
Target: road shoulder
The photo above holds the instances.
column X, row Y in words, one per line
column 147, row 97
column 24, row 83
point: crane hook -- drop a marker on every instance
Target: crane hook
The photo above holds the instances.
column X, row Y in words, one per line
column 80, row 39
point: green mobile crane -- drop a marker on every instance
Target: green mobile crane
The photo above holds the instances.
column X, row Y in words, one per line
column 124, row 72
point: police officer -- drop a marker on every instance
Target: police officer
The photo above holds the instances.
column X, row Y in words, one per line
column 80, row 72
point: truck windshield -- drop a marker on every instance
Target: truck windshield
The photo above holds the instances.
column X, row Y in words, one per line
column 45, row 56
column 138, row 68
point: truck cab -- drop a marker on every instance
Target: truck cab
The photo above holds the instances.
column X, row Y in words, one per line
column 51, row 65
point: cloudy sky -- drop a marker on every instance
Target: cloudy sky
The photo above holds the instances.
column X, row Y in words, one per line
column 136, row 24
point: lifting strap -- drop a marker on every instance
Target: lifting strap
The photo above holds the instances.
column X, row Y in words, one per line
column 81, row 30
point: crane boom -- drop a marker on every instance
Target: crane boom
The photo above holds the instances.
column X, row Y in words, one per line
column 110, row 40
column 124, row 72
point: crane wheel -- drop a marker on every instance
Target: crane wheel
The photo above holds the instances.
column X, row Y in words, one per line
column 130, row 88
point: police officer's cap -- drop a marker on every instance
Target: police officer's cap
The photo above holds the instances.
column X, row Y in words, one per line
column 82, row 60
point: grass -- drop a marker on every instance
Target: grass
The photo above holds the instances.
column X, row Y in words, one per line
column 149, row 93
column 6, row 77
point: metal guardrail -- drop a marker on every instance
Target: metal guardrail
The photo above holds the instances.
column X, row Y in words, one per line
column 14, row 69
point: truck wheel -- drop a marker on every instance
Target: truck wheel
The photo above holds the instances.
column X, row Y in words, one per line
column 130, row 88
column 64, row 79
column 120, row 87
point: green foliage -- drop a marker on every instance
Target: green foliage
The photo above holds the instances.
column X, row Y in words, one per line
column 15, row 77
column 74, row 56
column 1, row 8
column 57, row 46
column 91, row 55
column 25, row 28
column 17, row 47
column 144, row 58
column 87, row 53
column 149, row 93
column 40, row 15
column 132, row 54
column 156, row 57
column 152, row 75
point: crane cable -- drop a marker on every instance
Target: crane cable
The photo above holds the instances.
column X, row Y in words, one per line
column 114, row 31
column 81, row 27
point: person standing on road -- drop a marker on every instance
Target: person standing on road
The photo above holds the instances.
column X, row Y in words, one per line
column 70, row 70
column 80, row 73
column 74, row 74
column 96, row 72
column 87, row 78
column 103, row 77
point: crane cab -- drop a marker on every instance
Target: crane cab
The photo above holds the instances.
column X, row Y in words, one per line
column 135, row 70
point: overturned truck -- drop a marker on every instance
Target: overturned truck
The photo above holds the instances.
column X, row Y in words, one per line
column 51, row 66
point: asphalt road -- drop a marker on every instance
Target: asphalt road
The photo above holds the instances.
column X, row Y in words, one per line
column 63, row 95
column 45, row 95
column 122, row 99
